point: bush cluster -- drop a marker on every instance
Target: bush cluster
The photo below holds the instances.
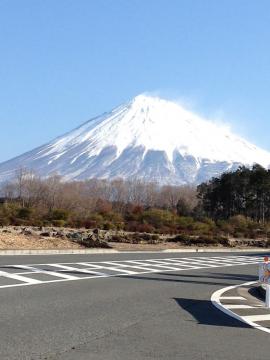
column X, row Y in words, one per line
column 142, row 221
column 235, row 205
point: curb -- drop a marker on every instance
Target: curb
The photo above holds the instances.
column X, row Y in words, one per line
column 57, row 252
column 226, row 250
column 216, row 301
column 113, row 251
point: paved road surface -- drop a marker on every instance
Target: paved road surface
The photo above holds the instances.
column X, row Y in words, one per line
column 124, row 307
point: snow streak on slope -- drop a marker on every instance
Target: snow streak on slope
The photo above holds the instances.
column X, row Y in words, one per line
column 147, row 138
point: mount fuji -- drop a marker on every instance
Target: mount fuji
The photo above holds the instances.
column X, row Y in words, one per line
column 147, row 138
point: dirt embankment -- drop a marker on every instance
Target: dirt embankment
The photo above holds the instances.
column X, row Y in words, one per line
column 18, row 237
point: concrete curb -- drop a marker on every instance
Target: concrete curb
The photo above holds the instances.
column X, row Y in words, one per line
column 254, row 323
column 113, row 251
column 57, row 252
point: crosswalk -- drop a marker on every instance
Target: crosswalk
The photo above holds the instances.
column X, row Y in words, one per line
column 33, row 274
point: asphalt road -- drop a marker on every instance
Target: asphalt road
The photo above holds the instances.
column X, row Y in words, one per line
column 163, row 315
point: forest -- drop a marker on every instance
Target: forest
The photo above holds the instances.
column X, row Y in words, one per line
column 243, row 192
column 235, row 204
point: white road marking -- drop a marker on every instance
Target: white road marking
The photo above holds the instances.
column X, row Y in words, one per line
column 48, row 272
column 264, row 317
column 231, row 259
column 186, row 263
column 132, row 266
column 121, row 268
column 199, row 262
column 89, row 265
column 71, row 268
column 19, row 277
column 250, row 320
column 162, row 265
column 238, row 306
column 232, row 298
column 141, row 266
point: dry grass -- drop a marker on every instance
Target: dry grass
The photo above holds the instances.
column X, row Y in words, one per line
column 146, row 247
column 19, row 241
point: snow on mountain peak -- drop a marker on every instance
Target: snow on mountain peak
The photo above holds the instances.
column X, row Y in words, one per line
column 149, row 138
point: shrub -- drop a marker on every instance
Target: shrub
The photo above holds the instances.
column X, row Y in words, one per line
column 59, row 223
column 4, row 221
column 184, row 223
column 199, row 240
column 167, row 230
column 89, row 221
column 240, row 223
column 58, row 214
column 113, row 217
column 183, row 207
column 200, row 227
column 103, row 206
column 88, row 224
column 135, row 226
column 157, row 217
column 24, row 213
column 91, row 243
column 211, row 224
column 108, row 226
column 119, row 238
column 206, row 240
column 179, row 238
column 225, row 226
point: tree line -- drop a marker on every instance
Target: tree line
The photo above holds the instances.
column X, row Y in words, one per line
column 245, row 191
column 236, row 204
column 133, row 205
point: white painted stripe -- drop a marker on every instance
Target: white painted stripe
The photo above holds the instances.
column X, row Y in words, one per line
column 232, row 298
column 89, row 265
column 132, row 266
column 114, row 263
column 216, row 261
column 141, row 266
column 166, row 267
column 183, row 263
column 71, row 268
column 265, row 317
column 236, row 260
column 119, row 267
column 157, row 265
column 20, row 278
column 176, row 258
column 215, row 298
column 225, row 261
column 162, row 265
column 201, row 262
column 191, row 264
column 47, row 272
column 138, row 262
column 162, row 268
column 161, row 262
column 238, row 306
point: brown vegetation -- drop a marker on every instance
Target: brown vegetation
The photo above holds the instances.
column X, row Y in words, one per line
column 120, row 207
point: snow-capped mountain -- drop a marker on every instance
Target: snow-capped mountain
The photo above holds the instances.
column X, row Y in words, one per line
column 149, row 138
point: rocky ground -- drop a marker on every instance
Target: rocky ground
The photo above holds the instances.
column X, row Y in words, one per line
column 19, row 237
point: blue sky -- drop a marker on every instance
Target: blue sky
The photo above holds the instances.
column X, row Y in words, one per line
column 65, row 61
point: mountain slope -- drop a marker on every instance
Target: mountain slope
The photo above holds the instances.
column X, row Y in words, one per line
column 147, row 138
